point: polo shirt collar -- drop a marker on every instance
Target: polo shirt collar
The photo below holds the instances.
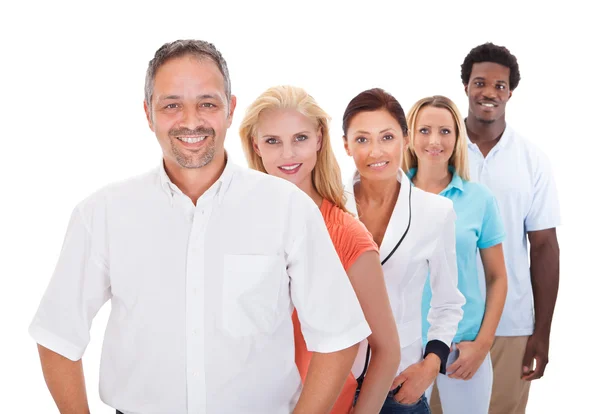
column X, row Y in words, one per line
column 456, row 181
column 504, row 139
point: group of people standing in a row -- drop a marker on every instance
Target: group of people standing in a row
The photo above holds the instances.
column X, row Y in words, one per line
column 235, row 292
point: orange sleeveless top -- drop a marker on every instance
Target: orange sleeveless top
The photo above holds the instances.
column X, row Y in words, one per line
column 351, row 239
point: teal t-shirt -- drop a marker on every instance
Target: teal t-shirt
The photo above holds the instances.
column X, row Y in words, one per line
column 478, row 226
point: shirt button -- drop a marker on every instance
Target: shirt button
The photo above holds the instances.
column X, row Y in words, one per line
column 196, row 374
column 196, row 331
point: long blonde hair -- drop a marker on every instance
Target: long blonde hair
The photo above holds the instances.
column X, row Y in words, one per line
column 459, row 159
column 326, row 176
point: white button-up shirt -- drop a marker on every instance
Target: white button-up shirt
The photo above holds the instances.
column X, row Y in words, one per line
column 428, row 248
column 201, row 295
column 520, row 177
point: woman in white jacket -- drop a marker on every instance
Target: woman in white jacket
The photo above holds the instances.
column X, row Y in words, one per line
column 416, row 235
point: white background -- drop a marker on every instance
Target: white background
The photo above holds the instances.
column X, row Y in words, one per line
column 72, row 120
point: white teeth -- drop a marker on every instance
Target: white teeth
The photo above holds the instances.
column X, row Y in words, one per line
column 192, row 140
column 290, row 167
column 379, row 164
column 487, row 105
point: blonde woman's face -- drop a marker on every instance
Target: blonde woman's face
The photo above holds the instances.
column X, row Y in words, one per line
column 375, row 141
column 287, row 143
column 434, row 136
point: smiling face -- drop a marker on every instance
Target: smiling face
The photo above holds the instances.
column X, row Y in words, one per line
column 375, row 141
column 434, row 136
column 288, row 142
column 488, row 91
column 189, row 112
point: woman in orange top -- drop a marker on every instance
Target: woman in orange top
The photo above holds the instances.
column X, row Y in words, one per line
column 286, row 134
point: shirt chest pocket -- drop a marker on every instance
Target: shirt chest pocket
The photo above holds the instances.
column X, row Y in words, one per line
column 252, row 292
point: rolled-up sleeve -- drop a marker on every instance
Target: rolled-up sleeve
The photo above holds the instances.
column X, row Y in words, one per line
column 76, row 292
column 446, row 300
column 328, row 309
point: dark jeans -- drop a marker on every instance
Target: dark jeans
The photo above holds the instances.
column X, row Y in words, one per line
column 391, row 406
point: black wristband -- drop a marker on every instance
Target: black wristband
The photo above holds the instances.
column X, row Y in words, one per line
column 441, row 350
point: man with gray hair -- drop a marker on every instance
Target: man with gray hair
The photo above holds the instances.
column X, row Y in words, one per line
column 203, row 263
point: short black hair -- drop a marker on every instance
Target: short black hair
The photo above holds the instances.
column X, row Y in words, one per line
column 489, row 52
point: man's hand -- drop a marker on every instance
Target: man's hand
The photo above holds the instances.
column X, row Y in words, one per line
column 416, row 379
column 470, row 357
column 536, row 350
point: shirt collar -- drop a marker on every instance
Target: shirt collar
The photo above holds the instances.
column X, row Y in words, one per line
column 456, row 181
column 356, row 178
column 219, row 187
column 165, row 182
column 504, row 139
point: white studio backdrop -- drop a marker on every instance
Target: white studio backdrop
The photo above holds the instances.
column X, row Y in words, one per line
column 72, row 120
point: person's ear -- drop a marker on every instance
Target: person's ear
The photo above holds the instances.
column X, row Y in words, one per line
column 148, row 112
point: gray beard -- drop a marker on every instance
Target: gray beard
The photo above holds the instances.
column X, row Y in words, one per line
column 196, row 160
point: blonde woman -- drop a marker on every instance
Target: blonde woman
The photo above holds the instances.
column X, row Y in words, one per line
column 436, row 162
column 286, row 134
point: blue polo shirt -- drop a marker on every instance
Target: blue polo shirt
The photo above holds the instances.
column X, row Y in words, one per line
column 478, row 226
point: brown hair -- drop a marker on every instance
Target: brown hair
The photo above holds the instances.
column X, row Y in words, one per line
column 372, row 100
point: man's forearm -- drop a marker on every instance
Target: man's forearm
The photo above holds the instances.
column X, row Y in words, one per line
column 65, row 381
column 324, row 380
column 544, row 281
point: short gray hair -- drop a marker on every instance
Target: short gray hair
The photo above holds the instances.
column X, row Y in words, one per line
column 179, row 48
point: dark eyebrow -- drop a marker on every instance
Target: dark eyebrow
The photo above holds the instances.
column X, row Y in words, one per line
column 161, row 98
column 207, row 96
column 199, row 97
column 481, row 78
column 381, row 132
